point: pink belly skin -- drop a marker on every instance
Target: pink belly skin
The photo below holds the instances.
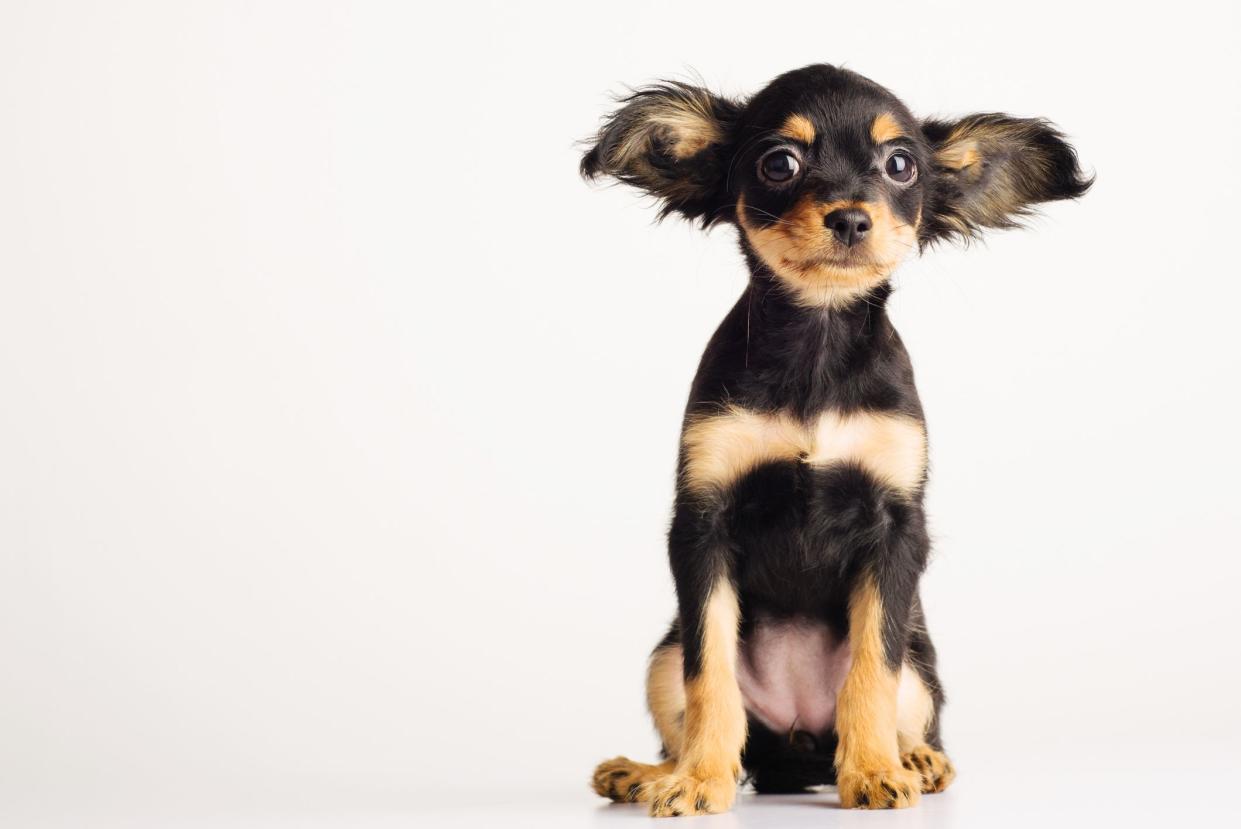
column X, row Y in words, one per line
column 790, row 673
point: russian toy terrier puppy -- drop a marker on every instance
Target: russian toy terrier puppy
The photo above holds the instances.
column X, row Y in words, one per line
column 800, row 652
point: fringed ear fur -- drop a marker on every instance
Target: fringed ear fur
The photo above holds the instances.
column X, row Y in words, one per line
column 991, row 169
column 670, row 140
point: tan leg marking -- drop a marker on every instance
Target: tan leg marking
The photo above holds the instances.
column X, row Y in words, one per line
column 665, row 697
column 709, row 761
column 934, row 767
column 624, row 781
column 914, row 709
column 868, row 765
column 890, row 447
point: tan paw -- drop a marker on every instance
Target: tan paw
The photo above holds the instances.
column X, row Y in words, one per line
column 934, row 767
column 894, row 788
column 621, row 779
column 676, row 794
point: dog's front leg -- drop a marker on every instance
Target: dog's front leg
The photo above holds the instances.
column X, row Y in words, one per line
column 868, row 765
column 708, row 760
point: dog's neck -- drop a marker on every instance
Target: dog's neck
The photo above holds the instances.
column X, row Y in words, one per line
column 802, row 356
column 828, row 337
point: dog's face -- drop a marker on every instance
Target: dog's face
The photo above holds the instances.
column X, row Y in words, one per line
column 829, row 177
column 828, row 192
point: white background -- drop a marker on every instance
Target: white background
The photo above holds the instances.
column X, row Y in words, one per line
column 338, row 416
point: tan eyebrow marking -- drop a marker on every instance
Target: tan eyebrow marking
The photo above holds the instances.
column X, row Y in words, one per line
column 885, row 129
column 799, row 128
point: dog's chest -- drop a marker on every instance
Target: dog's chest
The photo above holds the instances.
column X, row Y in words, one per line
column 721, row 449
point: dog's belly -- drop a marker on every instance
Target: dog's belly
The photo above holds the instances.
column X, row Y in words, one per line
column 790, row 673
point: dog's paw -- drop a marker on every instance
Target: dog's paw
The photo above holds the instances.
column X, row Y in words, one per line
column 894, row 788
column 622, row 780
column 934, row 767
column 676, row 794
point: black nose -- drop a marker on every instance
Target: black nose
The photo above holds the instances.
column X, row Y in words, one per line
column 849, row 224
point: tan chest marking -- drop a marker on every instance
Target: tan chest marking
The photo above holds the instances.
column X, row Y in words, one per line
column 890, row 447
column 722, row 448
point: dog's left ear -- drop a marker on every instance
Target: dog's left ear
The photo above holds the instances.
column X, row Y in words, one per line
column 991, row 169
column 670, row 140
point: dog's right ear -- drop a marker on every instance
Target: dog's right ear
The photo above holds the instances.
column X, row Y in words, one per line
column 673, row 141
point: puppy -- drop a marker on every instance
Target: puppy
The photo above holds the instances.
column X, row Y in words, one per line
column 800, row 652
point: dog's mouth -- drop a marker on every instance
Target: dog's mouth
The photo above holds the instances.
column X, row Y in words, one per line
column 836, row 259
column 805, row 254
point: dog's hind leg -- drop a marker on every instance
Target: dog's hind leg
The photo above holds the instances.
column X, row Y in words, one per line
column 915, row 716
column 919, row 699
column 622, row 779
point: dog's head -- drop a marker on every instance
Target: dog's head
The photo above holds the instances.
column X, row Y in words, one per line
column 829, row 177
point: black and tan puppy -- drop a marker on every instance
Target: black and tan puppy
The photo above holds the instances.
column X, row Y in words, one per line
column 800, row 652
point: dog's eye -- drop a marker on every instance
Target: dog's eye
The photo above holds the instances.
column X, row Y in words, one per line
column 778, row 166
column 900, row 167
